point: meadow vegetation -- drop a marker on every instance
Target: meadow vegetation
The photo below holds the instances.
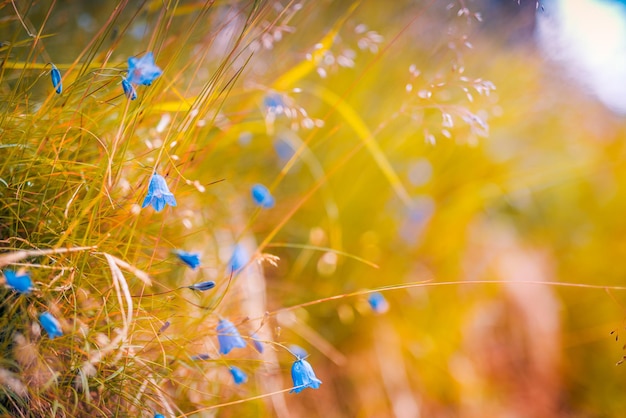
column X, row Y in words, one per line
column 302, row 208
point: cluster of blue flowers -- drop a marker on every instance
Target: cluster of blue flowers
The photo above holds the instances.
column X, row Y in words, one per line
column 302, row 372
column 22, row 283
column 143, row 71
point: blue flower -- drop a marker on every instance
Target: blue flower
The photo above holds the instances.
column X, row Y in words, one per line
column 202, row 286
column 50, row 324
column 158, row 194
column 228, row 336
column 159, row 416
column 165, row 326
column 129, row 90
column 257, row 343
column 239, row 258
column 143, row 70
column 239, row 376
column 298, row 351
column 303, row 376
column 55, row 74
column 191, row 259
column 274, row 103
column 378, row 303
column 19, row 282
column 262, row 196
column 283, row 149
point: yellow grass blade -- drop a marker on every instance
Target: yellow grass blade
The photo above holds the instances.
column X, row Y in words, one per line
column 360, row 128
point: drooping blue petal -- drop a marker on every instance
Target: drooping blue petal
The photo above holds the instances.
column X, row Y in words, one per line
column 262, row 196
column 239, row 258
column 303, row 376
column 159, row 416
column 283, row 149
column 158, row 194
column 20, row 282
column 228, row 336
column 143, row 70
column 378, row 303
column 258, row 345
column 165, row 326
column 191, row 259
column 51, row 325
column 298, row 351
column 239, row 376
column 129, row 90
column 202, row 286
column 55, row 74
column 274, row 103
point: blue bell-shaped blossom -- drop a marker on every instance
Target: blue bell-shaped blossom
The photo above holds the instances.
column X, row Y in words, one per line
column 303, row 376
column 202, row 286
column 129, row 89
column 191, row 259
column 239, row 376
column 378, row 303
column 55, row 75
column 143, row 70
column 258, row 344
column 262, row 196
column 240, row 258
column 158, row 194
column 51, row 325
column 228, row 336
column 19, row 282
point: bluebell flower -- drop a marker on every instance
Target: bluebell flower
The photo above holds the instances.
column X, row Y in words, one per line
column 416, row 218
column 202, row 286
column 143, row 70
column 158, row 194
column 55, row 74
column 191, row 259
column 240, row 258
column 165, row 326
column 228, row 336
column 303, row 376
column 378, row 303
column 258, row 345
column 200, row 357
column 274, row 103
column 129, row 89
column 298, row 351
column 159, row 416
column 239, row 376
column 283, row 149
column 51, row 325
column 19, row 282
column 262, row 196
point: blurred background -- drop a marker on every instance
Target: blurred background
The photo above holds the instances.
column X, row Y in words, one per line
column 432, row 147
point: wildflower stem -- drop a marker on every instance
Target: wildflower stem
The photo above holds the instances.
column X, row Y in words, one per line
column 324, row 249
column 429, row 283
column 208, row 408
